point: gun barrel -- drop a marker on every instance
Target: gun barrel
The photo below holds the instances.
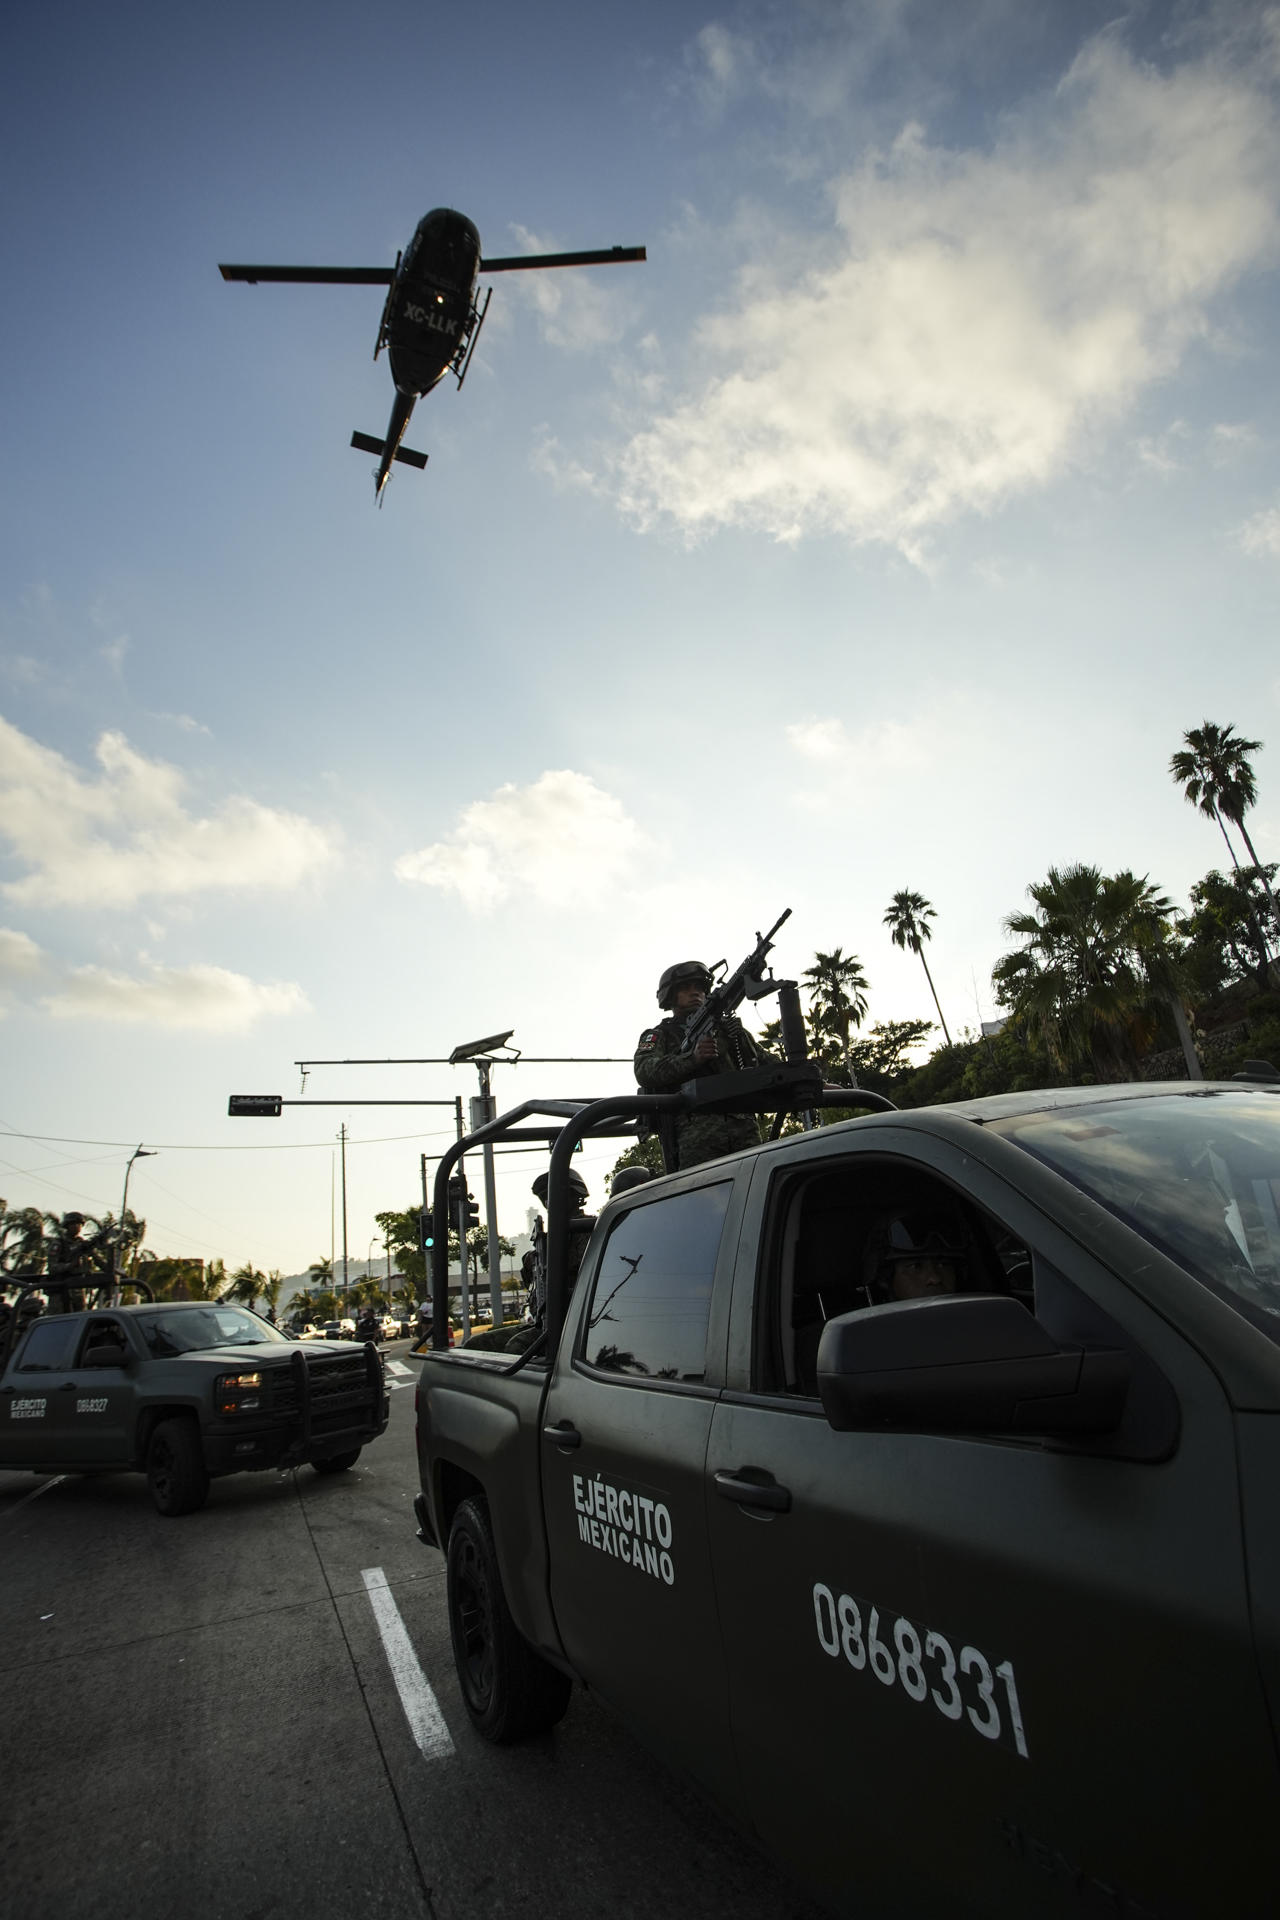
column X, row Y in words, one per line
column 784, row 915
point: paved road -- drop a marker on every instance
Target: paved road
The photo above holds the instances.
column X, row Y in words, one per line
column 202, row 1721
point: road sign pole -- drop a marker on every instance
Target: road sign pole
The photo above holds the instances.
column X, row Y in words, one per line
column 491, row 1204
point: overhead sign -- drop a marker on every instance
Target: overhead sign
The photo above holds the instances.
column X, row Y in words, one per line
column 266, row 1105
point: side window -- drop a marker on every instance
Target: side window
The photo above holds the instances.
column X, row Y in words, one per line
column 652, row 1295
column 867, row 1235
column 48, row 1348
column 103, row 1333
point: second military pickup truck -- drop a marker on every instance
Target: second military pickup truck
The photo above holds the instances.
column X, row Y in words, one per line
column 910, row 1483
column 184, row 1392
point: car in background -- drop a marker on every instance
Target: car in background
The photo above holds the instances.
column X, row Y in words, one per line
column 390, row 1327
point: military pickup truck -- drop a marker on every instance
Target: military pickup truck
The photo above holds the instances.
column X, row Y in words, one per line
column 911, row 1484
column 185, row 1392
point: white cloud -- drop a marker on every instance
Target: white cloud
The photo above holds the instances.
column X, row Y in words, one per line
column 819, row 739
column 971, row 317
column 1260, row 534
column 575, row 307
column 19, row 955
column 114, row 651
column 561, row 838
column 209, row 998
column 108, row 841
column 882, row 746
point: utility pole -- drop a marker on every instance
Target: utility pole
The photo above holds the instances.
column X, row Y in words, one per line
column 483, row 1110
column 460, row 1175
column 342, row 1136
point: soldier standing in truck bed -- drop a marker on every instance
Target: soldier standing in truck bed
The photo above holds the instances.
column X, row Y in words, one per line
column 663, row 1063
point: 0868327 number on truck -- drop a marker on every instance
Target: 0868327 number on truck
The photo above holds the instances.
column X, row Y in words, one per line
column 185, row 1392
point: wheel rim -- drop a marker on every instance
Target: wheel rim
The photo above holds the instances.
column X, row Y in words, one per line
column 471, row 1613
column 161, row 1469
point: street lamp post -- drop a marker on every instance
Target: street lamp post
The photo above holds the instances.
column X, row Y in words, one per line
column 139, row 1153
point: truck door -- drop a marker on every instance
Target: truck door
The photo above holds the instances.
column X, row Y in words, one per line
column 982, row 1674
column 625, row 1431
column 94, row 1405
column 35, row 1391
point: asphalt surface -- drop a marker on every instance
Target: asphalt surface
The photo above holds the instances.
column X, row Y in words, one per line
column 203, row 1719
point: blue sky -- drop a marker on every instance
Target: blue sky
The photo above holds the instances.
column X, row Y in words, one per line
column 885, row 530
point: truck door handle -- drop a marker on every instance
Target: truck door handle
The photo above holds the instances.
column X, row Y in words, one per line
column 564, row 1435
column 753, row 1493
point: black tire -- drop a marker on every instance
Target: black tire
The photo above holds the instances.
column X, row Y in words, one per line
column 508, row 1689
column 337, row 1462
column 176, row 1473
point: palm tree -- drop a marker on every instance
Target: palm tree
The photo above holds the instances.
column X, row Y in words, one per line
column 1216, row 777
column 247, row 1283
column 839, row 989
column 21, row 1239
column 1097, row 956
column 908, row 921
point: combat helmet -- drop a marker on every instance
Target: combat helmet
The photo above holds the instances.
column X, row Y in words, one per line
column 577, row 1189
column 929, row 1232
column 676, row 976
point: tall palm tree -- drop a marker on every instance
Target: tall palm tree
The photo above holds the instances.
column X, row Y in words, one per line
column 1216, row 777
column 247, row 1283
column 21, row 1239
column 1095, row 959
column 908, row 921
column 839, row 990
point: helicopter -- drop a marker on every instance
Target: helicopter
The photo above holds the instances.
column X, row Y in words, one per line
column 432, row 319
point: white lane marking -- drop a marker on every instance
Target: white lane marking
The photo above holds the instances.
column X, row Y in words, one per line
column 398, row 1366
column 422, row 1709
column 34, row 1494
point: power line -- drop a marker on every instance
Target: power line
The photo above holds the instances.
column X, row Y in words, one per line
column 241, row 1146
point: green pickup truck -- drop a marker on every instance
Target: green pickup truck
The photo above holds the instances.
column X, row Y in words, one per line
column 183, row 1391
column 911, row 1484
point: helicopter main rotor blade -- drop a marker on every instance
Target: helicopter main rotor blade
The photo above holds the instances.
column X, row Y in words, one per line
column 609, row 257
column 314, row 276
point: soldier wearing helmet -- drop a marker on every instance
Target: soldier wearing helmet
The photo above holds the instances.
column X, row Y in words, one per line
column 663, row 1063
column 914, row 1253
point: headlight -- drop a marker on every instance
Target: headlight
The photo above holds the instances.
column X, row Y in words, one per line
column 239, row 1392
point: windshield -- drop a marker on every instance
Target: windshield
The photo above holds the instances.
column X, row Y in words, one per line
column 192, row 1329
column 1196, row 1175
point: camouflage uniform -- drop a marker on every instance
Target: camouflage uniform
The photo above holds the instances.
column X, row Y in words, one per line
column 663, row 1064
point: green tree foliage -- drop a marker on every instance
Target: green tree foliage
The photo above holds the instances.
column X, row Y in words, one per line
column 1222, row 934
column 246, row 1284
column 478, row 1249
column 838, row 997
column 641, row 1153
column 908, row 920
column 1216, row 776
column 1096, row 965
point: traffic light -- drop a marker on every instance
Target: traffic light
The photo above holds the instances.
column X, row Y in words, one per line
column 457, row 1187
column 473, row 1212
column 426, row 1238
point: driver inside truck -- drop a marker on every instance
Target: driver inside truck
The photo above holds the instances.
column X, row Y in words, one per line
column 915, row 1254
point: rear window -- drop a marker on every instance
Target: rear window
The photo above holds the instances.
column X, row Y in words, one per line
column 652, row 1296
column 49, row 1346
column 1198, row 1175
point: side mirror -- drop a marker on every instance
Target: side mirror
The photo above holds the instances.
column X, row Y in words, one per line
column 111, row 1353
column 964, row 1363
